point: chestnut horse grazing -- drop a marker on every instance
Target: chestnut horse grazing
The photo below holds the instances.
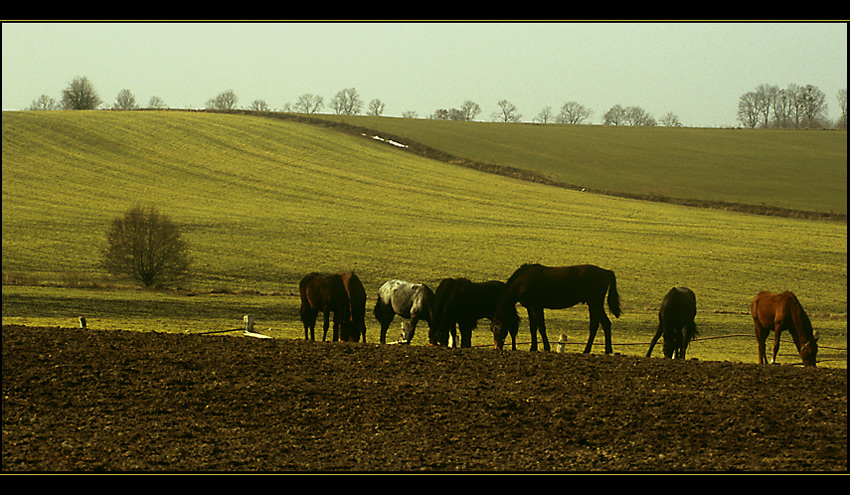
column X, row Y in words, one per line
column 537, row 287
column 780, row 312
column 676, row 322
column 326, row 294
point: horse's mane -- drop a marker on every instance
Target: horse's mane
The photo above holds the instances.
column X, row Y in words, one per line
column 519, row 271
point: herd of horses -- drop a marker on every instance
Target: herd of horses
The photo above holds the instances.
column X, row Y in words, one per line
column 458, row 304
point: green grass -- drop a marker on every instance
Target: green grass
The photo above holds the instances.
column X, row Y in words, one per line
column 264, row 201
column 788, row 169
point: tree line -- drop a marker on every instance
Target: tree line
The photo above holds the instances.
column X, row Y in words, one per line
column 767, row 106
column 794, row 107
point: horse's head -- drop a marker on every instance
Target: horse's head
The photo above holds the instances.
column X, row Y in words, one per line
column 499, row 333
column 406, row 332
column 809, row 351
column 348, row 332
column 438, row 335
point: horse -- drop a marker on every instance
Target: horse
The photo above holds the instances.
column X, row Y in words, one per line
column 357, row 308
column 780, row 312
column 326, row 294
column 406, row 299
column 536, row 287
column 676, row 322
column 461, row 303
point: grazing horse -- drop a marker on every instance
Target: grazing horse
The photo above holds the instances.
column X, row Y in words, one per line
column 537, row 287
column 676, row 322
column 461, row 303
column 326, row 294
column 406, row 299
column 780, row 312
column 357, row 309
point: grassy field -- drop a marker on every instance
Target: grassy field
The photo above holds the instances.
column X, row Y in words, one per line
column 788, row 169
column 264, row 201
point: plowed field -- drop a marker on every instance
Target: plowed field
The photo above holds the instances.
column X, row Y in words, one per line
column 84, row 400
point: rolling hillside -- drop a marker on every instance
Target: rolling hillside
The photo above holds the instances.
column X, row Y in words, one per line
column 749, row 170
column 264, row 201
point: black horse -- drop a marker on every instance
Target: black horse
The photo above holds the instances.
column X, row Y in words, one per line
column 537, row 287
column 676, row 322
column 460, row 303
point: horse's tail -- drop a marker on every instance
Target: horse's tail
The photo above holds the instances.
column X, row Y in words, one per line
column 613, row 295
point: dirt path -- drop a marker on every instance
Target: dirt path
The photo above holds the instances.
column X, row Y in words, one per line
column 82, row 400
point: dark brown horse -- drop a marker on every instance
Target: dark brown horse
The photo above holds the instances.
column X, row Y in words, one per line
column 537, row 287
column 778, row 312
column 460, row 302
column 326, row 294
column 357, row 309
column 676, row 322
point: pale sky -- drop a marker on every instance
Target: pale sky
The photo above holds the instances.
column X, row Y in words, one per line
column 698, row 71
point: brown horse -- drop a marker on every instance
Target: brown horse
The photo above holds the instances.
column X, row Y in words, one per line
column 780, row 312
column 357, row 308
column 326, row 294
column 537, row 287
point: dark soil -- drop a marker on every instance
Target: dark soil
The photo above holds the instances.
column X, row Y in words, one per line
column 84, row 400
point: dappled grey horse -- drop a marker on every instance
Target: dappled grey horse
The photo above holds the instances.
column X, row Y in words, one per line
column 406, row 299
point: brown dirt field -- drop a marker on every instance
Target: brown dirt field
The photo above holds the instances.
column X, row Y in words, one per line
column 93, row 401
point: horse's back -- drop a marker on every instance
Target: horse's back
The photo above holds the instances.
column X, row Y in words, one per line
column 769, row 307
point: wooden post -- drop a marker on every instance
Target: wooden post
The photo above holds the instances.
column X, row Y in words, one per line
column 249, row 323
column 82, row 322
column 562, row 341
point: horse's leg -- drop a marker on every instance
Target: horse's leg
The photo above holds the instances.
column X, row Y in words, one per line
column 655, row 339
column 776, row 333
column 761, row 337
column 689, row 332
column 532, row 323
column 541, row 327
column 453, row 334
column 594, row 326
column 606, row 327
column 325, row 324
column 466, row 334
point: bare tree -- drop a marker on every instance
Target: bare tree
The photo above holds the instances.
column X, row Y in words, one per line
column 507, row 112
column 376, row 107
column 308, row 103
column 615, row 115
column 346, row 102
column 146, row 246
column 125, row 101
column 813, row 103
column 80, row 95
column 639, row 116
column 44, row 102
column 259, row 106
column 409, row 114
column 671, row 120
column 469, row 110
column 748, row 113
column 156, row 103
column 573, row 113
column 226, row 100
column 545, row 115
column 765, row 96
column 842, row 107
